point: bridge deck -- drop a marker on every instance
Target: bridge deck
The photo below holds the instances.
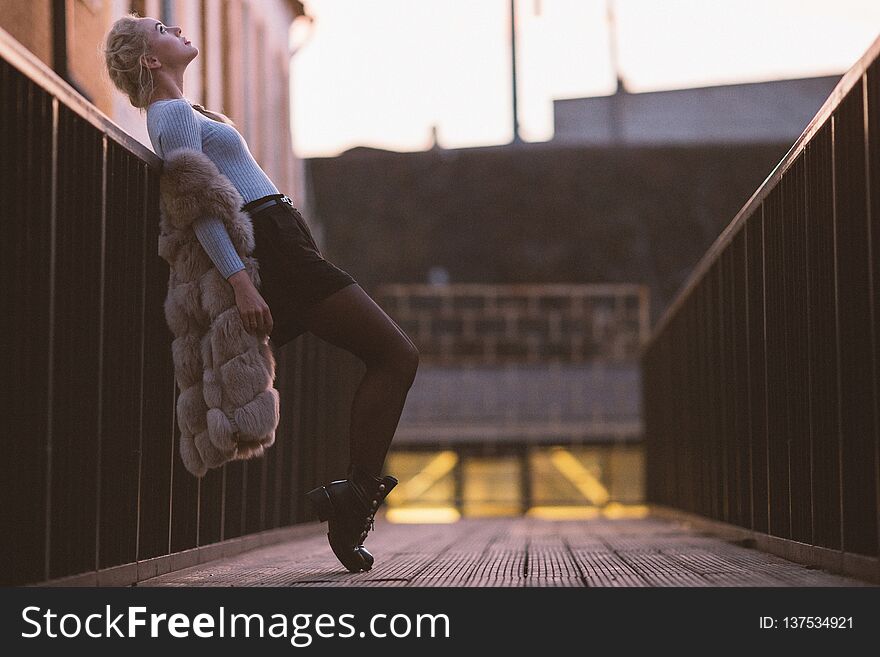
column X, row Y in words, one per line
column 514, row 552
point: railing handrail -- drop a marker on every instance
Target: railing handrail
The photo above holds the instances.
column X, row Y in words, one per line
column 32, row 67
column 847, row 82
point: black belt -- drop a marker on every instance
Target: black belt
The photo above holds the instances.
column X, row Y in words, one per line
column 265, row 202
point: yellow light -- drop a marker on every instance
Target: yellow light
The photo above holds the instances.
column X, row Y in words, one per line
column 428, row 515
column 613, row 510
column 564, row 512
column 572, row 469
column 617, row 510
column 437, row 468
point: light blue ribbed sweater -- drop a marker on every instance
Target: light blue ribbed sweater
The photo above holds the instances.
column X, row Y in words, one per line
column 173, row 124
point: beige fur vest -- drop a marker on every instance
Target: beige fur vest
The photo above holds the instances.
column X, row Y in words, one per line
column 227, row 408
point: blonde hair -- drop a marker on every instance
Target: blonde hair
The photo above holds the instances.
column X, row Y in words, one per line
column 124, row 48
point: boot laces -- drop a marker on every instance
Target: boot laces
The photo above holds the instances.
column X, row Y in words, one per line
column 369, row 525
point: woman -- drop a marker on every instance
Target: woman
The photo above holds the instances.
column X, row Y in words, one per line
column 299, row 289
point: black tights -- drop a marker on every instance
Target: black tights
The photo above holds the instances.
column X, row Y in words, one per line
column 351, row 320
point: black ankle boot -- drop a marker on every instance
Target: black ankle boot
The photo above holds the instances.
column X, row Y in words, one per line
column 349, row 506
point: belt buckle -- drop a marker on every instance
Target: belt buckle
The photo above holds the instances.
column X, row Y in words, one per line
column 286, row 199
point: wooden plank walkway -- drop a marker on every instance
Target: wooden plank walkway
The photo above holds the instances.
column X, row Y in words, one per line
column 514, row 552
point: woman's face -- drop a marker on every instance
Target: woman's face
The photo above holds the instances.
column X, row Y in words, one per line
column 168, row 45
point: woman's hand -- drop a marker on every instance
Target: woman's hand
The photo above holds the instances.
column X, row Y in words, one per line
column 255, row 314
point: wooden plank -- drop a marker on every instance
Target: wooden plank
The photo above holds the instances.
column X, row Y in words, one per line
column 660, row 570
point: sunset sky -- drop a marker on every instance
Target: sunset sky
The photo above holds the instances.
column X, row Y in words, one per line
column 382, row 73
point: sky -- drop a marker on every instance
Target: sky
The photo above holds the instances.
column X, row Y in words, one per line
column 384, row 73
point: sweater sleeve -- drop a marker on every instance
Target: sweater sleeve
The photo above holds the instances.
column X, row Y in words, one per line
column 215, row 240
column 179, row 128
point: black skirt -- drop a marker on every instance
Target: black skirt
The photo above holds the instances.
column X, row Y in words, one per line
column 294, row 275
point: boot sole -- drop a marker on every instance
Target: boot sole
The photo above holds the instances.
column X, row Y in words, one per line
column 353, row 560
column 320, row 500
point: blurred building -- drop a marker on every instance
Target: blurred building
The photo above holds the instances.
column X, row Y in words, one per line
column 514, row 364
column 760, row 112
column 535, row 213
column 527, row 400
column 242, row 69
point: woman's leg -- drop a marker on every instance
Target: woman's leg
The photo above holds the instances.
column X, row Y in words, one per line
column 350, row 319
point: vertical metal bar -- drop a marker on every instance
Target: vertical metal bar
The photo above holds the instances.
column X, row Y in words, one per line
column 872, row 93
column 516, row 138
column 53, row 247
column 809, row 348
column 839, row 419
column 748, row 379
column 244, row 496
column 142, row 323
column 799, row 371
column 171, row 459
column 764, row 341
column 264, row 476
column 199, row 511
column 777, row 364
column 788, row 391
column 100, row 370
column 720, row 372
column 280, row 461
column 320, row 407
column 739, row 384
column 298, row 481
column 223, row 472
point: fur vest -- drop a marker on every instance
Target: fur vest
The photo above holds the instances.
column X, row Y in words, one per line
column 227, row 408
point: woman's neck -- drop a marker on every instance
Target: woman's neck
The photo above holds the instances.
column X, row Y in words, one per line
column 168, row 87
column 165, row 96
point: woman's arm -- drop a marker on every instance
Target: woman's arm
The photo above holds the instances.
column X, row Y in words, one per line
column 215, row 240
column 179, row 128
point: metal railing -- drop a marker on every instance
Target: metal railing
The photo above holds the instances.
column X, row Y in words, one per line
column 760, row 380
column 91, row 479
